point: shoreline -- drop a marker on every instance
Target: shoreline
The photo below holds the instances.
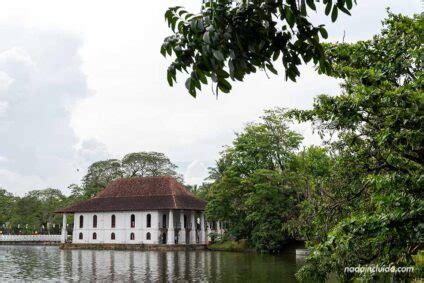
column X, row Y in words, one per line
column 132, row 247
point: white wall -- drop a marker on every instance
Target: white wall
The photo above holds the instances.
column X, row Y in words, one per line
column 123, row 228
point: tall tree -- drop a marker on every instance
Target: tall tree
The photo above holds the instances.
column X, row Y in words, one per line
column 50, row 199
column 254, row 188
column 230, row 39
column 99, row 174
column 379, row 122
column 137, row 164
column 148, row 164
column 6, row 203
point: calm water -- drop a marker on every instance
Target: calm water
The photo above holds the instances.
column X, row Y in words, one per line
column 50, row 263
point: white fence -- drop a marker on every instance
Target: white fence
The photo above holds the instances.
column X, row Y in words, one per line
column 29, row 238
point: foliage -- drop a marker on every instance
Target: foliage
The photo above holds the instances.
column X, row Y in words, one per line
column 256, row 191
column 200, row 191
column 316, row 172
column 379, row 122
column 137, row 164
column 147, row 164
column 7, row 201
column 419, row 264
column 270, row 206
column 99, row 174
column 230, row 39
column 28, row 214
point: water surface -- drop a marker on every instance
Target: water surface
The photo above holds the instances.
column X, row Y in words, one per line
column 49, row 263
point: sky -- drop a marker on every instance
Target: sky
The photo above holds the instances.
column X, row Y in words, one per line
column 82, row 81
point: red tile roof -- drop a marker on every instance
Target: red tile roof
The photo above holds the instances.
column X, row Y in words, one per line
column 138, row 194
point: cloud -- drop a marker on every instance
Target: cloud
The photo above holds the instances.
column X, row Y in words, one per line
column 195, row 173
column 40, row 82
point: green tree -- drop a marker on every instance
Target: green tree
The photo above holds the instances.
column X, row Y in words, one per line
column 271, row 205
column 230, row 39
column 137, row 164
column 201, row 191
column 35, row 210
column 315, row 170
column 26, row 214
column 50, row 200
column 257, row 168
column 143, row 164
column 379, row 122
column 99, row 174
column 7, row 201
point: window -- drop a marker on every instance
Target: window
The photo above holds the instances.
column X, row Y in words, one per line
column 132, row 220
column 185, row 221
column 164, row 221
column 112, row 236
column 94, row 236
column 81, row 221
column 80, row 236
column 113, row 221
column 132, row 236
column 95, row 221
column 149, row 221
column 148, row 235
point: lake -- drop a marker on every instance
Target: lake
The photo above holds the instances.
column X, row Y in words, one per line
column 50, row 263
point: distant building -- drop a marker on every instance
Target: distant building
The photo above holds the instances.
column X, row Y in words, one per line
column 140, row 210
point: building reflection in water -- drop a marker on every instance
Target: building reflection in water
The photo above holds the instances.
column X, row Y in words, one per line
column 35, row 263
column 134, row 266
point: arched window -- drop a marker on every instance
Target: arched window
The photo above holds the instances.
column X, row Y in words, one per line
column 94, row 221
column 81, row 221
column 164, row 221
column 132, row 236
column 148, row 236
column 132, row 220
column 80, row 236
column 149, row 221
column 112, row 236
column 185, row 221
column 113, row 221
column 94, row 236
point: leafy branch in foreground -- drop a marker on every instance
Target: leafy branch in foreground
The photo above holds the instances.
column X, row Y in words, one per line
column 230, row 39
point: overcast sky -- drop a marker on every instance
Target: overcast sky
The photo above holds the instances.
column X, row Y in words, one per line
column 82, row 81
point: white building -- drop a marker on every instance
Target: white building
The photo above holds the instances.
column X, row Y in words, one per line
column 140, row 210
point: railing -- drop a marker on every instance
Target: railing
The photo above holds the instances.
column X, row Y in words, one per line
column 30, row 238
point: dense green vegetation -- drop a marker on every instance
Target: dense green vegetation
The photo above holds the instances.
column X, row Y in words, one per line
column 32, row 213
column 255, row 185
column 378, row 123
column 230, row 39
column 356, row 201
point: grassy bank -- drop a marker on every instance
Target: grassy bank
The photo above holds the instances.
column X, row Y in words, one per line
column 231, row 246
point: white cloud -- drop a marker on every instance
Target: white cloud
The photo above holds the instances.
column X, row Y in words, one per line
column 196, row 172
column 41, row 80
